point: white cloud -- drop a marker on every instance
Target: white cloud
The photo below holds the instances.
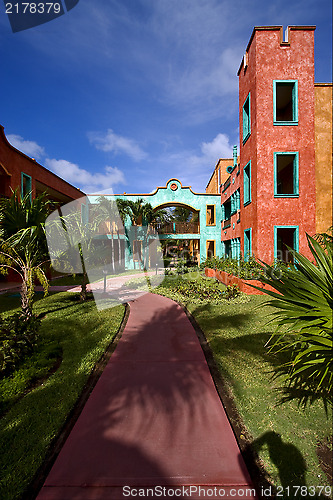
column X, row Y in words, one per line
column 111, row 142
column 30, row 148
column 195, row 168
column 219, row 147
column 88, row 182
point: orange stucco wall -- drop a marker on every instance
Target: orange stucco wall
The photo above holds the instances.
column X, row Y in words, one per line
column 268, row 59
column 323, row 144
column 219, row 175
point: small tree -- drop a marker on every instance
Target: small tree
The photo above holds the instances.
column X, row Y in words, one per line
column 23, row 244
column 304, row 299
column 73, row 246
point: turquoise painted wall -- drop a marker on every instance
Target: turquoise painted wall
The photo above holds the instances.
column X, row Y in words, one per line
column 174, row 193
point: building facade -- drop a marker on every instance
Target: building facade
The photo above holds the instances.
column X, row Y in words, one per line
column 20, row 172
column 280, row 189
column 202, row 238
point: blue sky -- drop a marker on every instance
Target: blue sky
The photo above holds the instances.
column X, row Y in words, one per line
column 126, row 94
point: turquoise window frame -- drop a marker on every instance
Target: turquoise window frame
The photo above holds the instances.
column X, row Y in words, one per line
column 247, row 118
column 235, row 248
column 238, row 199
column 29, row 179
column 247, row 184
column 295, row 194
column 294, row 121
column 296, row 238
column 247, row 247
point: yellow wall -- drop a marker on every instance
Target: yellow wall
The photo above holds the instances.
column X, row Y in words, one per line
column 323, row 148
column 222, row 164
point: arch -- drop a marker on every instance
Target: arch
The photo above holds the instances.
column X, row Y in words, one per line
column 174, row 194
column 176, row 204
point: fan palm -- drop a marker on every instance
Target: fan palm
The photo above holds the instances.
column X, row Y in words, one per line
column 304, row 299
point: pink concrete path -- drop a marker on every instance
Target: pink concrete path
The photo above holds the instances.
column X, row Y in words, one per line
column 154, row 420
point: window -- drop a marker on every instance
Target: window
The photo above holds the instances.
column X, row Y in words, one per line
column 246, row 119
column 26, row 185
column 284, row 237
column 210, row 248
column 285, row 102
column 227, row 248
column 235, row 202
column 210, row 215
column 285, row 174
column 235, row 248
column 247, row 183
column 247, row 243
column 226, row 213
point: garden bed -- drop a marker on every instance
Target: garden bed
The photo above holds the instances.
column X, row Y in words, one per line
column 244, row 285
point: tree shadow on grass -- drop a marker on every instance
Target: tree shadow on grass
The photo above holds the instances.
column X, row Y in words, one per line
column 253, row 343
column 237, row 320
column 290, row 464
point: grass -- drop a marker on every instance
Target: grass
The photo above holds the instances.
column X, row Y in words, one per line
column 76, row 279
column 285, row 436
column 74, row 333
column 70, row 279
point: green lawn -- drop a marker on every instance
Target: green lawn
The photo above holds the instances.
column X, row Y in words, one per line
column 284, row 436
column 79, row 334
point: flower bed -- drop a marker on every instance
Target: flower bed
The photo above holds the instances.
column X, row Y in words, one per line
column 244, row 285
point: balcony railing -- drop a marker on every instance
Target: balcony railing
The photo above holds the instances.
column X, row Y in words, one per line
column 178, row 228
column 226, row 185
column 226, row 223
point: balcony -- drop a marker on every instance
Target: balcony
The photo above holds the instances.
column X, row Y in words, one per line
column 226, row 185
column 226, row 223
column 178, row 228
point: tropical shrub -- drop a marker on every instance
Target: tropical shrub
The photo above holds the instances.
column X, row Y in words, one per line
column 18, row 337
column 249, row 269
column 182, row 267
column 303, row 301
column 231, row 292
column 206, row 290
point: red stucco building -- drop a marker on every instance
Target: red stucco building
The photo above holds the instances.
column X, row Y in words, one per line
column 270, row 198
column 19, row 171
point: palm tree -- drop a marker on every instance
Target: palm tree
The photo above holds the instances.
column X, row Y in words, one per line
column 73, row 246
column 112, row 213
column 23, row 245
column 143, row 214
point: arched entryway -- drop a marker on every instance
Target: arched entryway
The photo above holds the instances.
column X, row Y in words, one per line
column 203, row 234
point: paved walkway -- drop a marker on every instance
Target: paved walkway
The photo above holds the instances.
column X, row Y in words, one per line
column 154, row 420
